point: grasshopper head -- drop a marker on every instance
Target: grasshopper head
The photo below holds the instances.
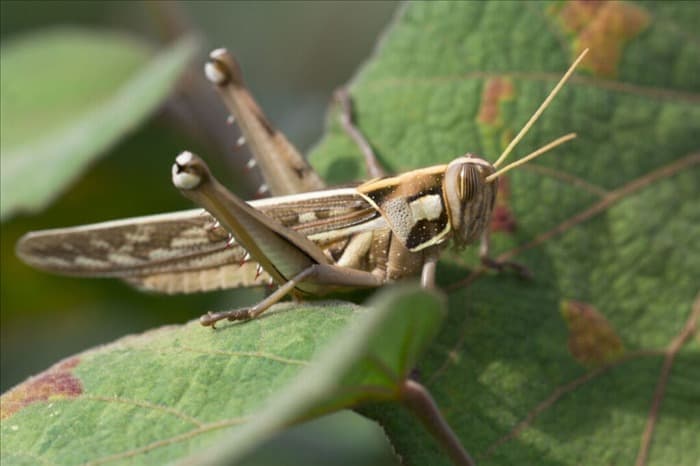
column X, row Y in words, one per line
column 469, row 197
column 189, row 172
column 470, row 183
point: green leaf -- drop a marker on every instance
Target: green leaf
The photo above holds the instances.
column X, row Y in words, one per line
column 605, row 223
column 181, row 390
column 67, row 95
column 609, row 222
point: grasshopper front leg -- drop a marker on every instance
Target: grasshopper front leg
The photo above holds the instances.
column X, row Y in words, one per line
column 293, row 261
column 427, row 276
column 488, row 261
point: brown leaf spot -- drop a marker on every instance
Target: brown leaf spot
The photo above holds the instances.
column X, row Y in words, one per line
column 53, row 384
column 605, row 28
column 496, row 90
column 502, row 218
column 592, row 341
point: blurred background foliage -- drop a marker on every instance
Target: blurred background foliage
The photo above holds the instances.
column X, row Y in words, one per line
column 293, row 55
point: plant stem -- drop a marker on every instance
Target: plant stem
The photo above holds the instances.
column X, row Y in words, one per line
column 419, row 401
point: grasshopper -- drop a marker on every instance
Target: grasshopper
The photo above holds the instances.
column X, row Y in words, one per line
column 308, row 239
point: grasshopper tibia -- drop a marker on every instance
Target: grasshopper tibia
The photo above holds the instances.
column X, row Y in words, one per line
column 211, row 318
column 316, row 273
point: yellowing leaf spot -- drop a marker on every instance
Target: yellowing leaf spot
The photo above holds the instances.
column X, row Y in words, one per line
column 496, row 90
column 592, row 341
column 605, row 28
column 56, row 383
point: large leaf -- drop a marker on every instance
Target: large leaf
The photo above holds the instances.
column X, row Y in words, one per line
column 66, row 96
column 166, row 394
column 592, row 361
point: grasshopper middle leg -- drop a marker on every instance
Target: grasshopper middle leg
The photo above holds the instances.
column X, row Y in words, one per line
column 488, row 261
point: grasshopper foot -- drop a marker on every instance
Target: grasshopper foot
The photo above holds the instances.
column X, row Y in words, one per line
column 211, row 318
column 500, row 266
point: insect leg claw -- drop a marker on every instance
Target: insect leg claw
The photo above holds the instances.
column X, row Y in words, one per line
column 211, row 318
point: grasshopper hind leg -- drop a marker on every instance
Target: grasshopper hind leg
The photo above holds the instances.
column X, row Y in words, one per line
column 322, row 274
column 374, row 168
column 211, row 318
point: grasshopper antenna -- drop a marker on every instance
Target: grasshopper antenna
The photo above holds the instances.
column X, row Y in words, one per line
column 537, row 114
column 527, row 158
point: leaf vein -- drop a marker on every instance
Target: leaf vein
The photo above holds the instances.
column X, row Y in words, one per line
column 249, row 354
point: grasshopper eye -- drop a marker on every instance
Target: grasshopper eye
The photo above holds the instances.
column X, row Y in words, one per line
column 188, row 171
column 469, row 197
column 469, row 181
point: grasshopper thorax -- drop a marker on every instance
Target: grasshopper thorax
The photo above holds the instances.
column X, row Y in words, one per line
column 469, row 197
